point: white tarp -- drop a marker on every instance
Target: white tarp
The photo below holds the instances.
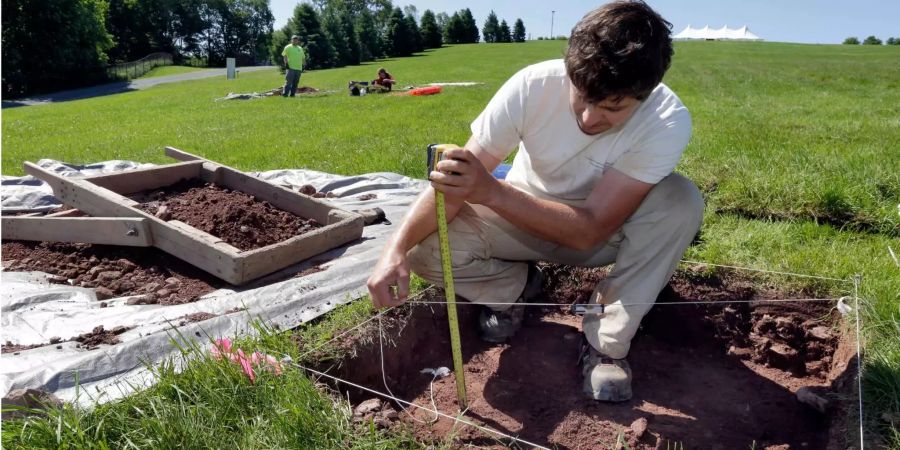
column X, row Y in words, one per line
column 34, row 310
column 738, row 34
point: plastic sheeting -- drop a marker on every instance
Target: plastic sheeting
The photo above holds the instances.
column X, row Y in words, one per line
column 34, row 310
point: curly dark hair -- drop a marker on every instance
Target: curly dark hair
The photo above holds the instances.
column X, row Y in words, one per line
column 621, row 49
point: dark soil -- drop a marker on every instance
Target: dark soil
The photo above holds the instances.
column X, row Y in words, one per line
column 9, row 347
column 98, row 336
column 113, row 271
column 235, row 217
column 195, row 317
column 708, row 376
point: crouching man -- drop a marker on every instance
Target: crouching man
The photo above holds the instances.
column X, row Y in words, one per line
column 598, row 136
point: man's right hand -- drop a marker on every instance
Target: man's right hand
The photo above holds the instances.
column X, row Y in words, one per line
column 389, row 283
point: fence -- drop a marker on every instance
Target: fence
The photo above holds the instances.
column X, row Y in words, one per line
column 137, row 68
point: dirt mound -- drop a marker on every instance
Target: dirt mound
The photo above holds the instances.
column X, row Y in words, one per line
column 235, row 217
column 112, row 270
column 98, row 336
column 691, row 384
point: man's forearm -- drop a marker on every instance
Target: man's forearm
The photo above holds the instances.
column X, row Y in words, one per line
column 421, row 221
column 565, row 225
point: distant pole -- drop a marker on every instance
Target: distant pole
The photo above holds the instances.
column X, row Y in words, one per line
column 552, row 13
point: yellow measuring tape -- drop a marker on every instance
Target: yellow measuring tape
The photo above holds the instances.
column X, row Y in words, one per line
column 435, row 154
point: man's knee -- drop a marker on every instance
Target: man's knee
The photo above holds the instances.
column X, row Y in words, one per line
column 682, row 200
column 425, row 257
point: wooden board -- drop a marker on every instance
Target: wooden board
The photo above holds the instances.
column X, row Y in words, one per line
column 263, row 261
column 90, row 230
column 139, row 180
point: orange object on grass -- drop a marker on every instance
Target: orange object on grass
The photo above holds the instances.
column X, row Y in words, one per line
column 428, row 90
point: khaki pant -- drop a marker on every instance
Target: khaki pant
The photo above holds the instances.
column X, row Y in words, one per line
column 489, row 257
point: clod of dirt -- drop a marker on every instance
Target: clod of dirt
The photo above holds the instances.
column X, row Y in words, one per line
column 309, row 271
column 308, row 189
column 196, row 317
column 98, row 336
column 366, row 197
column 235, row 217
column 9, row 347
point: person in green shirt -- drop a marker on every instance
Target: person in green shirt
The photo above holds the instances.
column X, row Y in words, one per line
column 294, row 56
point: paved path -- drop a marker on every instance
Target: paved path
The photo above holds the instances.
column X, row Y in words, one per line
column 124, row 86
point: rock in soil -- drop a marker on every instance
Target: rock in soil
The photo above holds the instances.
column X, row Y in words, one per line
column 810, row 397
column 638, row 427
column 27, row 398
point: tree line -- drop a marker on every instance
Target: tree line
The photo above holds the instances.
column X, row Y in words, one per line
column 71, row 42
column 871, row 40
column 338, row 33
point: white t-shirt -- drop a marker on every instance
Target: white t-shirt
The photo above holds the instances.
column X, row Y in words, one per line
column 556, row 160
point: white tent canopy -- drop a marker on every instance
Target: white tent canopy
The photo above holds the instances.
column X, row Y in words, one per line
column 739, row 34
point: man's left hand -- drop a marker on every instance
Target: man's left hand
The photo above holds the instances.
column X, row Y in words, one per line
column 461, row 175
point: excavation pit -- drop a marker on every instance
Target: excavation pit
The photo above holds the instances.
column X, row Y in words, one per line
column 711, row 374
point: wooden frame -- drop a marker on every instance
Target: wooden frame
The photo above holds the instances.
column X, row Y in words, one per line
column 115, row 219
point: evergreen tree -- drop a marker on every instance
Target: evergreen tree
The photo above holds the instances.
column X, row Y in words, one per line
column 503, row 34
column 518, row 34
column 442, row 20
column 470, row 28
column 320, row 54
column 369, row 40
column 415, row 35
column 431, row 34
column 455, row 31
column 331, row 25
column 398, row 35
column 491, row 29
column 352, row 39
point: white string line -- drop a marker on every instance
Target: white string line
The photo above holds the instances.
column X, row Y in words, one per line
column 608, row 305
column 893, row 255
column 845, row 280
column 435, row 411
column 856, row 280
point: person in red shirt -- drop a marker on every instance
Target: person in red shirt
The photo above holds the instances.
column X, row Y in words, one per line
column 384, row 79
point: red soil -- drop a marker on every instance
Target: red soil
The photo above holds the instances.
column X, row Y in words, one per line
column 710, row 375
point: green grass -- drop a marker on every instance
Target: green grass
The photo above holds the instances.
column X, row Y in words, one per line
column 210, row 404
column 163, row 71
column 794, row 146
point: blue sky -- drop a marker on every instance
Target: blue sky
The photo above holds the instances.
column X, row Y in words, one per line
column 807, row 21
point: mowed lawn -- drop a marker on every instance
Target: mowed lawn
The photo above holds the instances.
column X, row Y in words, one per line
column 796, row 147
